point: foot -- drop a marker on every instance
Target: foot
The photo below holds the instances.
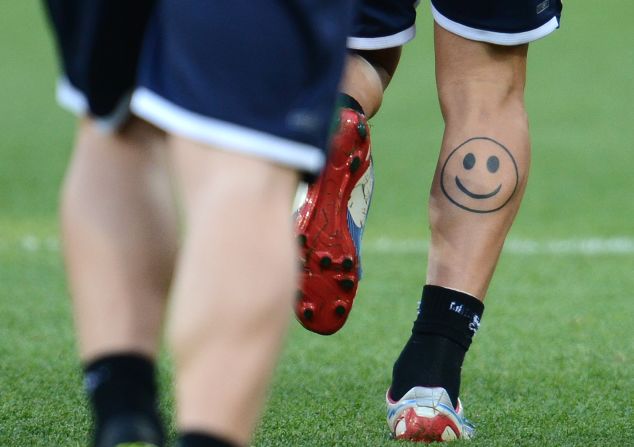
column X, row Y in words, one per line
column 427, row 415
column 130, row 430
column 329, row 226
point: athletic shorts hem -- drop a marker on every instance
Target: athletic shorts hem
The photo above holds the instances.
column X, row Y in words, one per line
column 172, row 118
column 380, row 43
column 73, row 100
column 494, row 37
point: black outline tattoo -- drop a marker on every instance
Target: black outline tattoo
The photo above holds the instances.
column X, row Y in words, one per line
column 468, row 193
column 473, row 195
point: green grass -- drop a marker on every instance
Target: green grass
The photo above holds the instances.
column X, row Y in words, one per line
column 552, row 364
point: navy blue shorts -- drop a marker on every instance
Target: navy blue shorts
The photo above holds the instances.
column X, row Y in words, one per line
column 257, row 77
column 389, row 23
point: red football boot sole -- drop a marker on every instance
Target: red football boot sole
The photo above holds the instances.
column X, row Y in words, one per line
column 330, row 262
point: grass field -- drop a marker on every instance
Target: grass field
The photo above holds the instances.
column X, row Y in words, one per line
column 553, row 362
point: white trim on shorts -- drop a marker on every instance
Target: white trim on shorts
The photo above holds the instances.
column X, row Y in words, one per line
column 379, row 43
column 491, row 36
column 224, row 135
column 73, row 100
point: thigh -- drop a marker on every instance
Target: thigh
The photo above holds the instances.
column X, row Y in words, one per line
column 256, row 77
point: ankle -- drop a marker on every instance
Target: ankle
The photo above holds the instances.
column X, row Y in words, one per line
column 441, row 336
column 122, row 384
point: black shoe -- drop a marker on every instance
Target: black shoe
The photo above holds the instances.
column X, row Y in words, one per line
column 130, row 430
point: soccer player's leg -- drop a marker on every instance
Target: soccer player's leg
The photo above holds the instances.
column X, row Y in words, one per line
column 233, row 284
column 118, row 221
column 330, row 224
column 119, row 239
column 476, row 192
column 331, row 221
column 241, row 131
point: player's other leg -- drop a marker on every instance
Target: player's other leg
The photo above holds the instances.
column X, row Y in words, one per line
column 117, row 211
column 331, row 220
column 118, row 222
column 476, row 192
column 119, row 240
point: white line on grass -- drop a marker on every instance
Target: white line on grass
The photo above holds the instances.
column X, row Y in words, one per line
column 33, row 243
column 588, row 246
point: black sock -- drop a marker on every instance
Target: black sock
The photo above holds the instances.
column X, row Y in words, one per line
column 442, row 333
column 119, row 386
column 202, row 440
column 346, row 101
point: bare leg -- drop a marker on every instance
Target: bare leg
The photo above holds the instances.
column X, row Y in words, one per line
column 234, row 284
column 367, row 75
column 475, row 195
column 119, row 237
column 481, row 91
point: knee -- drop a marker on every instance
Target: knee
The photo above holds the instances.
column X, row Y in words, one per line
column 476, row 102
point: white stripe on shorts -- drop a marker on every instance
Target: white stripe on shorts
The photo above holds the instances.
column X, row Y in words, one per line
column 493, row 37
column 73, row 100
column 379, row 43
column 224, row 135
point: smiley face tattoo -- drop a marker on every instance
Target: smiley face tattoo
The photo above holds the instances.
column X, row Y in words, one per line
column 480, row 175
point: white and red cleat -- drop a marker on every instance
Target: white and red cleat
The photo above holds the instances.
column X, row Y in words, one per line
column 427, row 415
